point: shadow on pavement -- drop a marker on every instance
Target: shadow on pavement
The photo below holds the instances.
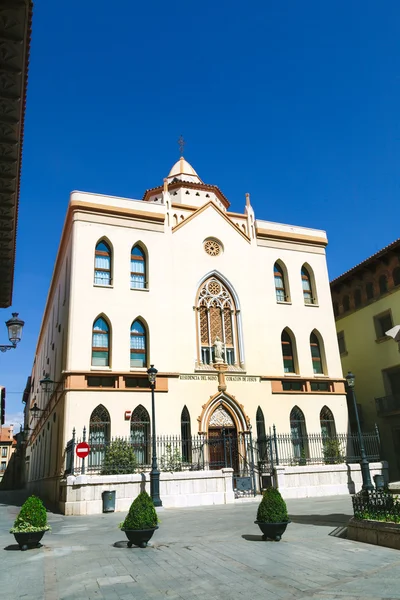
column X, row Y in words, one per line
column 123, row 544
column 254, row 538
column 12, row 547
column 13, row 497
column 322, row 520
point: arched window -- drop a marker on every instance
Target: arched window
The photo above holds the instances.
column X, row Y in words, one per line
column 102, row 264
column 327, row 421
column 280, row 288
column 346, row 303
column 186, row 436
column 99, row 436
column 287, row 352
column 100, row 343
column 298, row 432
column 383, row 284
column 138, row 268
column 138, row 345
column 261, row 436
column 369, row 290
column 357, row 298
column 140, row 434
column 316, row 354
column 396, row 276
column 218, row 318
column 307, row 286
column 336, row 309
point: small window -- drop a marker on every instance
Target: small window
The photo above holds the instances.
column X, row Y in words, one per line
column 4, row 452
column 280, row 290
column 383, row 284
column 383, row 323
column 137, row 382
column 336, row 309
column 357, row 298
column 287, row 353
column 369, row 288
column 3, row 465
column 341, row 342
column 102, row 264
column 101, row 382
column 307, row 289
column 396, row 276
column 346, row 303
column 292, row 386
column 320, row 386
column 138, row 268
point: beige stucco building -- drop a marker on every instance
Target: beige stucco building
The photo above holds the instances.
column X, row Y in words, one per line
column 156, row 281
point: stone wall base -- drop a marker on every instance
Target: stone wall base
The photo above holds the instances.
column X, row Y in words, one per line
column 324, row 480
column 82, row 495
column 375, row 532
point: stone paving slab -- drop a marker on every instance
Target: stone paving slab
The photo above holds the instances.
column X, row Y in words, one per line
column 206, row 553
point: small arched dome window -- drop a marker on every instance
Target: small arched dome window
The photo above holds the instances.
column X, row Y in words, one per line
column 369, row 290
column 280, row 284
column 138, row 269
column 138, row 344
column 102, row 264
column 383, row 284
column 308, row 292
column 101, row 343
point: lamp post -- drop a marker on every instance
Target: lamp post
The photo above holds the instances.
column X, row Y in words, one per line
column 366, row 475
column 14, row 326
column 154, row 473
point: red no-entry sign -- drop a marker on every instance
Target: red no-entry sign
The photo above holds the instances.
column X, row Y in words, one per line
column 82, row 450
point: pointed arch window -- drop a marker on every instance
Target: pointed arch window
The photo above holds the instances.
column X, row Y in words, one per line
column 298, row 432
column 316, row 354
column 99, row 436
column 186, row 436
column 102, row 264
column 218, row 317
column 140, row 434
column 346, row 303
column 138, row 269
column 307, row 286
column 138, row 344
column 280, row 287
column 287, row 352
column 328, row 429
column 100, row 343
column 261, row 436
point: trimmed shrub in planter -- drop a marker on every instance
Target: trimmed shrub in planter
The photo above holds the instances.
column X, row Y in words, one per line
column 119, row 458
column 272, row 515
column 30, row 524
column 141, row 521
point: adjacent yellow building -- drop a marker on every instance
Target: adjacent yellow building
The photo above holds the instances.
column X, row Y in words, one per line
column 366, row 302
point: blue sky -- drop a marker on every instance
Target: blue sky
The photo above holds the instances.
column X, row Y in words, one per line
column 295, row 102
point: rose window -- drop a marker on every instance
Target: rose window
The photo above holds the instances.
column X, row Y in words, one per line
column 212, row 247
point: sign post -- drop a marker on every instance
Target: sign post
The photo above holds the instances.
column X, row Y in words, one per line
column 82, row 451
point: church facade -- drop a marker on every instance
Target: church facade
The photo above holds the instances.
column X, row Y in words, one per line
column 233, row 311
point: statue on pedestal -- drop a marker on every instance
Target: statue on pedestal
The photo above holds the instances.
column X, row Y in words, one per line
column 219, row 350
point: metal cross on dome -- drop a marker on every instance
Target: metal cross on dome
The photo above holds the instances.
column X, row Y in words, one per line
column 181, row 143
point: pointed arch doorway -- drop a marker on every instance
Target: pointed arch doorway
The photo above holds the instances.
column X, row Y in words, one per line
column 222, row 440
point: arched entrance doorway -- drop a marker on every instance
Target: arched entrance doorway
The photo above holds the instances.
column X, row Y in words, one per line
column 222, row 440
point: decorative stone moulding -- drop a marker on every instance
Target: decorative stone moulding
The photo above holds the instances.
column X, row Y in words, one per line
column 213, row 247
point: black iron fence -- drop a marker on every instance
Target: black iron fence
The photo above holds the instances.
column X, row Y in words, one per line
column 379, row 505
column 216, row 451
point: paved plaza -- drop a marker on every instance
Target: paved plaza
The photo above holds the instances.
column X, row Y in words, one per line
column 207, row 553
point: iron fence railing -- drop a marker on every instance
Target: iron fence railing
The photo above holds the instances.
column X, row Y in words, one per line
column 203, row 452
column 377, row 505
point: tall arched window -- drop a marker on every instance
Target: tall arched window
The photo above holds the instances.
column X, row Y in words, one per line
column 327, row 421
column 396, row 276
column 298, row 432
column 100, row 343
column 186, row 436
column 261, row 436
column 336, row 309
column 280, row 287
column 287, row 353
column 383, row 284
column 357, row 298
column 138, row 268
column 102, row 264
column 316, row 355
column 140, row 434
column 138, row 345
column 99, row 436
column 307, row 286
column 218, row 317
column 346, row 303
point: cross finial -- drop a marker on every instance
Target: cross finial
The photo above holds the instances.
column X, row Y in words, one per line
column 181, row 143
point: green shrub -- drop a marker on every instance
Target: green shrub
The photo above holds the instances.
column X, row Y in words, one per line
column 332, row 450
column 119, row 458
column 272, row 508
column 172, row 460
column 142, row 514
column 32, row 517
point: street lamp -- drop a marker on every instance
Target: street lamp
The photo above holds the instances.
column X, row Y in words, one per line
column 366, row 475
column 154, row 473
column 46, row 384
column 35, row 410
column 14, row 326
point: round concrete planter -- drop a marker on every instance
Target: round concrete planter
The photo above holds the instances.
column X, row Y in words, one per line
column 139, row 537
column 272, row 531
column 29, row 540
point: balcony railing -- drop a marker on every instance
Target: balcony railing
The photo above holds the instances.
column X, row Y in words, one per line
column 387, row 404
